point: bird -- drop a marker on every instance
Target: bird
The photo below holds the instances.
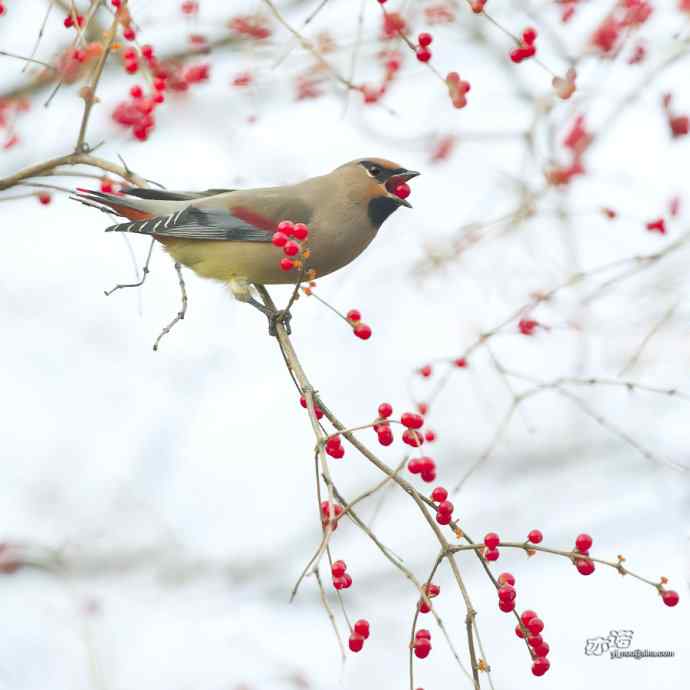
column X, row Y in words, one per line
column 226, row 234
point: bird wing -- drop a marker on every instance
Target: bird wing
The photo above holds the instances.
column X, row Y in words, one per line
column 200, row 224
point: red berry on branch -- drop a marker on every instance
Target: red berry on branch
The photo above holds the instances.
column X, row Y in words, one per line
column 131, row 67
column 361, row 627
column 129, row 34
column 422, row 408
column 147, row 51
column 286, row 264
column 535, row 536
column 189, row 7
column 355, row 315
column 422, row 647
column 412, row 420
column 287, row 227
column 385, row 409
column 362, row 331
column 423, row 607
column 507, row 606
column 422, row 634
column 428, row 476
column 529, row 35
column 507, row 593
column 44, row 198
column 69, row 22
column 414, row 466
column 478, row 6
column 338, row 568
column 291, row 248
column 425, row 39
column 584, row 566
column 506, row 579
column 491, row 554
column 540, row 666
column 425, row 371
column 385, row 436
column 658, row 225
column 443, row 518
column 356, row 642
column 136, row 91
column 445, row 507
column 423, row 54
column 439, row 494
column 279, row 239
column 429, row 435
column 527, row 326
column 491, row 540
column 519, row 632
column 583, row 542
column 412, row 438
column 670, row 597
column 527, row 615
column 460, row 362
column 301, row 231
column 534, row 640
column 542, row 649
column 535, row 625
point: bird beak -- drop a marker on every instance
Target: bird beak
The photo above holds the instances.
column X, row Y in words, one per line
column 402, row 177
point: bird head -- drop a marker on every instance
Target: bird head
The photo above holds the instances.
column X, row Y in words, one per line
column 375, row 180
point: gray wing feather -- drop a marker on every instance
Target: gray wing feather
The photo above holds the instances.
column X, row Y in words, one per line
column 197, row 224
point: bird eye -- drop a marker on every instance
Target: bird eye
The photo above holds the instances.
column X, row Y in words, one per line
column 374, row 171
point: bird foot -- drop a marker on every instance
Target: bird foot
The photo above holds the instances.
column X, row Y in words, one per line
column 280, row 316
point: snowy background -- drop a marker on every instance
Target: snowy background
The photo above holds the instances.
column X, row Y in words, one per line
column 168, row 499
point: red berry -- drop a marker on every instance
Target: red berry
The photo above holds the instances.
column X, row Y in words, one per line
column 361, row 627
column 443, row 518
column 527, row 616
column 535, row 625
column 439, row 494
column 540, row 666
column 519, row 632
column 527, row 326
column 412, row 438
column 422, row 647
column 425, row 371
column 355, row 316
column 189, row 7
column 159, row 98
column 286, row 227
column 356, row 642
column 116, row 3
column 424, row 39
column 460, row 362
column 491, row 554
column 414, row 466
column 68, row 22
column 412, row 420
column 422, row 408
column 428, row 476
column 445, row 507
column 423, row 606
column 506, row 593
column 363, row 331
column 491, row 540
column 670, row 597
column 535, row 536
column 429, row 435
column 423, row 634
column 44, row 198
column 291, row 248
column 131, row 67
column 423, row 55
column 583, row 542
column 136, row 91
column 402, row 191
column 79, row 55
column 159, row 84
column 541, row 649
column 286, row 264
column 339, row 567
column 385, row 409
column 658, row 225
column 584, row 567
column 2, row 9
column 385, row 436
column 507, row 579
column 147, row 51
column 432, row 590
column 534, row 640
column 507, row 606
column 529, row 35
column 279, row 239
column 301, row 231
column 129, row 34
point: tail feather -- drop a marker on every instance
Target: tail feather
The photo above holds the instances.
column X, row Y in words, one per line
column 112, row 203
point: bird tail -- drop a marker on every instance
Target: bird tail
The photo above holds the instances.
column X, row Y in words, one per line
column 125, row 206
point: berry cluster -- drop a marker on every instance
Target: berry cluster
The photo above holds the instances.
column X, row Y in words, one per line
column 317, row 410
column 334, row 447
column 526, row 49
column 626, row 15
column 529, row 628
column 576, row 141
column 425, row 467
column 341, row 578
column 506, row 592
column 423, row 53
column 584, row 566
column 360, row 329
column 422, row 643
column 70, row 21
column 289, row 236
column 431, row 591
column 326, row 512
column 491, row 541
column 413, row 422
column 360, row 632
column 457, row 89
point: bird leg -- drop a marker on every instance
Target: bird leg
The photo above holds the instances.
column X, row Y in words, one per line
column 274, row 316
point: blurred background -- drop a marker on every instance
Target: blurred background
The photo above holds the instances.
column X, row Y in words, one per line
column 157, row 507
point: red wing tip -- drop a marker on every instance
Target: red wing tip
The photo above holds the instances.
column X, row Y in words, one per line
column 82, row 189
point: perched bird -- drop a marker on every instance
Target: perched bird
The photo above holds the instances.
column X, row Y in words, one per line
column 226, row 234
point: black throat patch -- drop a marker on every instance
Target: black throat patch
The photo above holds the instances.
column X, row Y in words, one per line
column 380, row 208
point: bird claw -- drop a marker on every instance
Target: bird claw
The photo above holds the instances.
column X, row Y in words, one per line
column 280, row 316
